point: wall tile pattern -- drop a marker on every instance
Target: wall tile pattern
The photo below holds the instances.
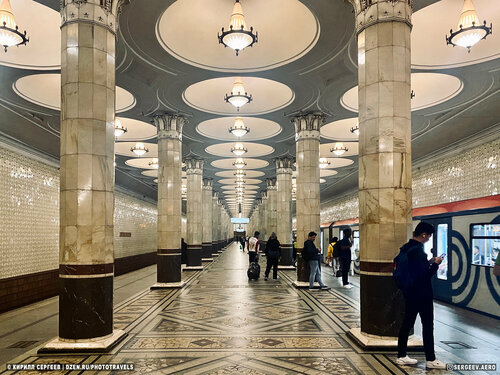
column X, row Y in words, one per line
column 473, row 173
column 29, row 220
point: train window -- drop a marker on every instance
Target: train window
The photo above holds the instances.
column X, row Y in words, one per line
column 442, row 248
column 355, row 244
column 428, row 247
column 485, row 243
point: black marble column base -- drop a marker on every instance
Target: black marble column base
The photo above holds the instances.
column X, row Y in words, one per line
column 168, row 266
column 286, row 260
column 206, row 252
column 302, row 268
column 95, row 345
column 194, row 255
column 385, row 343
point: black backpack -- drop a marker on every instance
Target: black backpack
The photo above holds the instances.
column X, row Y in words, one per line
column 401, row 273
column 336, row 250
column 305, row 254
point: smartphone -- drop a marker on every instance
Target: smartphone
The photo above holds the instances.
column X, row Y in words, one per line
column 442, row 256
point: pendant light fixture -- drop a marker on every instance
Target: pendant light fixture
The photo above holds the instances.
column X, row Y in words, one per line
column 239, row 174
column 9, row 31
column 139, row 149
column 355, row 130
column 239, row 163
column 119, row 128
column 339, row 149
column 238, row 96
column 239, row 129
column 238, row 149
column 470, row 31
column 323, row 163
column 237, row 37
column 153, row 163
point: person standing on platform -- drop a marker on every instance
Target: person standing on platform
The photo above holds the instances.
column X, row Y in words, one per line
column 345, row 245
column 294, row 254
column 417, row 292
column 253, row 247
column 273, row 254
column 311, row 254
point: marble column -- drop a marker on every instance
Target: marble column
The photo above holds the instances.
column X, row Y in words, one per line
column 284, row 211
column 194, row 171
column 169, row 129
column 264, row 219
column 307, row 138
column 385, row 197
column 219, row 225
column 207, row 220
column 86, row 261
column 214, row 225
column 271, row 206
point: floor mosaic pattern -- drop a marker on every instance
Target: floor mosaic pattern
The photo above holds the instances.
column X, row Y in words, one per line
column 221, row 323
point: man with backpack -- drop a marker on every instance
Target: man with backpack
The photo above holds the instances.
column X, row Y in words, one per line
column 253, row 247
column 311, row 254
column 345, row 245
column 413, row 274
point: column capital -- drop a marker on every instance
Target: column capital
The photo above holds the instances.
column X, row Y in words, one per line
column 369, row 13
column 97, row 12
column 284, row 165
column 215, row 195
column 271, row 183
column 194, row 166
column 263, row 195
column 207, row 183
column 169, row 125
column 307, row 125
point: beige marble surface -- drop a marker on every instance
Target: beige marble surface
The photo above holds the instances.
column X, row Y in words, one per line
column 194, row 169
column 207, row 210
column 284, row 200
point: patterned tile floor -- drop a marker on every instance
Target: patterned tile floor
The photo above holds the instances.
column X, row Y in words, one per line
column 221, row 323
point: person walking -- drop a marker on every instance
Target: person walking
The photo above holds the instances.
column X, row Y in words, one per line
column 345, row 245
column 253, row 247
column 311, row 254
column 273, row 254
column 418, row 295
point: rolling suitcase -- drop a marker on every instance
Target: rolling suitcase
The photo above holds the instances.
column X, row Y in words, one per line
column 253, row 272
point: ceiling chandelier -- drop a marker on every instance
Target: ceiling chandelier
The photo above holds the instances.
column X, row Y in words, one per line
column 139, row 149
column 339, row 149
column 355, row 130
column 470, row 31
column 237, row 37
column 153, row 163
column 239, row 163
column 239, row 129
column 238, row 96
column 119, row 128
column 240, row 182
column 238, row 149
column 239, row 174
column 323, row 163
column 9, row 31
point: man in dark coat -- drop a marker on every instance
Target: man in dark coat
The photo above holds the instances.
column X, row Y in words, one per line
column 273, row 253
column 419, row 297
column 313, row 258
column 345, row 245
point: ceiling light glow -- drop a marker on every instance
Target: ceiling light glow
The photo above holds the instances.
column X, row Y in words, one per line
column 237, row 37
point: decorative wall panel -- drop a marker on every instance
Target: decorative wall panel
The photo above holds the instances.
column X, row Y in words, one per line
column 472, row 174
column 29, row 218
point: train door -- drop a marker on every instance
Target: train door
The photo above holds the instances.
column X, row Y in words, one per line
column 438, row 245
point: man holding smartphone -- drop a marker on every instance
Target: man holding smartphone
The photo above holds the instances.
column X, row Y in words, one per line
column 419, row 297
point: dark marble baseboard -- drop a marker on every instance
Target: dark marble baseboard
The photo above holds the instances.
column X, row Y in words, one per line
column 22, row 290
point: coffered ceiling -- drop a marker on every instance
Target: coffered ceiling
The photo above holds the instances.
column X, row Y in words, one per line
column 169, row 60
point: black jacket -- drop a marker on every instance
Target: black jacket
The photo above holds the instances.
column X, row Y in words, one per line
column 345, row 249
column 311, row 250
column 421, row 271
column 273, row 248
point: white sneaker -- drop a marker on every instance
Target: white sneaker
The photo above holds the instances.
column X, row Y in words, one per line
column 406, row 361
column 348, row 286
column 435, row 364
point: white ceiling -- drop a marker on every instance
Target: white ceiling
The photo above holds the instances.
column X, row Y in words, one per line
column 187, row 28
column 218, row 128
column 253, row 149
column 228, row 163
column 268, row 96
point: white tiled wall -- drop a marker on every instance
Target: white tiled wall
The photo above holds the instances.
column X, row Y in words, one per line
column 472, row 174
column 29, row 218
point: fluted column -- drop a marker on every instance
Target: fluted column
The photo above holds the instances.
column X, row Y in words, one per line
column 284, row 211
column 307, row 138
column 219, row 225
column 86, row 260
column 385, row 199
column 207, row 220
column 169, row 129
column 194, row 171
column 271, row 206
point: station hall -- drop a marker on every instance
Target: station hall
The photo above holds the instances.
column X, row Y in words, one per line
column 255, row 187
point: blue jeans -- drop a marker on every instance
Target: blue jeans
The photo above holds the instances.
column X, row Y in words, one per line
column 314, row 274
